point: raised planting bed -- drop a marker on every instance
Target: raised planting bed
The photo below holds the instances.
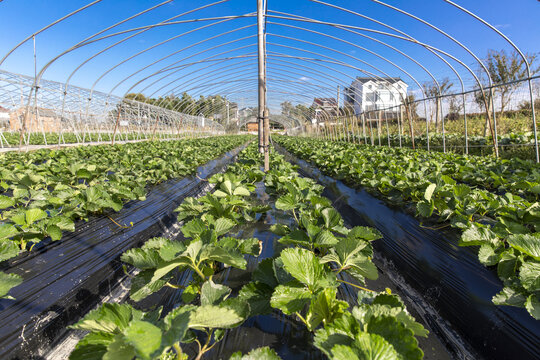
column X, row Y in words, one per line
column 454, row 289
column 260, row 263
column 65, row 279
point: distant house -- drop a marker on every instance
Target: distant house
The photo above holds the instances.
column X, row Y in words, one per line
column 46, row 120
column 252, row 126
column 368, row 94
column 326, row 105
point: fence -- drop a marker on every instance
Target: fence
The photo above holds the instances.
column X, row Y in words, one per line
column 477, row 121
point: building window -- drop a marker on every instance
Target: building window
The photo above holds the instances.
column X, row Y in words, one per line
column 371, row 96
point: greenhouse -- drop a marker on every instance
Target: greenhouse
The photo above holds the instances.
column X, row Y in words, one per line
column 269, row 179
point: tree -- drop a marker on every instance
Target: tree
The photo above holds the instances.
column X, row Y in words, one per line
column 455, row 107
column 505, row 68
column 432, row 90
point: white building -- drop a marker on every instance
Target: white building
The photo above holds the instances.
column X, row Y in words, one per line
column 368, row 94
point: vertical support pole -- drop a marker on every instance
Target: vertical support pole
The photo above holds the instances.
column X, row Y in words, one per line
column 266, row 141
column 400, row 124
column 379, row 134
column 364, row 128
column 495, row 139
column 534, row 122
column 465, row 124
column 411, row 128
column 427, row 125
column 262, row 73
column 116, row 123
column 442, row 124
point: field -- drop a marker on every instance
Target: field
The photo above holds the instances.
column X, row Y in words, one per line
column 261, row 246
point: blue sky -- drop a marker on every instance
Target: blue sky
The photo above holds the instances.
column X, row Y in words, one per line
column 302, row 79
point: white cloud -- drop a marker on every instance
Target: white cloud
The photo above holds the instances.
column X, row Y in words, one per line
column 303, row 78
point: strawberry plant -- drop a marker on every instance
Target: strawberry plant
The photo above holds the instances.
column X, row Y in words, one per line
column 301, row 280
column 493, row 202
column 44, row 192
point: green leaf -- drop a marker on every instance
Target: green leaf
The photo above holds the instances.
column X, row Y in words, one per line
column 364, row 233
column 92, row 347
column 109, row 317
column 214, row 294
column 145, row 284
column 176, row 324
column 227, row 257
column 325, row 308
column 211, row 316
column 290, row 299
column 227, row 186
column 487, row 255
column 190, row 293
column 529, row 275
column 8, row 281
column 286, row 202
column 263, row 353
column 33, row 215
column 425, row 209
column 223, row 225
column 54, row 232
column 8, row 249
column 193, row 228
column 331, row 217
column 7, row 231
column 118, row 349
column 144, row 337
column 305, row 267
column 280, row 229
column 476, row 235
column 296, row 237
column 142, row 258
column 510, row 297
column 251, row 246
column 6, row 202
column 257, row 295
column 374, row 347
column 401, row 338
column 324, row 239
column 528, row 244
column 241, row 191
column 362, row 265
column 264, row 273
column 63, row 223
column 533, row 306
column 429, row 191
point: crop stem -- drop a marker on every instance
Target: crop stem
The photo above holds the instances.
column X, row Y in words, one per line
column 356, row 286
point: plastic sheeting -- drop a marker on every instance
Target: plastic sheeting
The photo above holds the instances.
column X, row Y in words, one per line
column 449, row 278
column 64, row 280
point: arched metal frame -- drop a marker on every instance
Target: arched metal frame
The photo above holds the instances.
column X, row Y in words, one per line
column 306, row 58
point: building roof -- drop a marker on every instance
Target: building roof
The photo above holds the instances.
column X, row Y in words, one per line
column 3, row 109
column 391, row 80
column 322, row 101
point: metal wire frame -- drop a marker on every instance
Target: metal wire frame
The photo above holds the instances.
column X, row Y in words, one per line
column 348, row 28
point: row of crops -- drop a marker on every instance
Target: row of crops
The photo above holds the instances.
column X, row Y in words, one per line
column 518, row 145
column 44, row 193
column 301, row 279
column 493, row 203
column 12, row 138
column 314, row 272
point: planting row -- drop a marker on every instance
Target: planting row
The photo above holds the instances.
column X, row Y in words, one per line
column 503, row 224
column 301, row 280
column 520, row 145
column 43, row 193
column 8, row 139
